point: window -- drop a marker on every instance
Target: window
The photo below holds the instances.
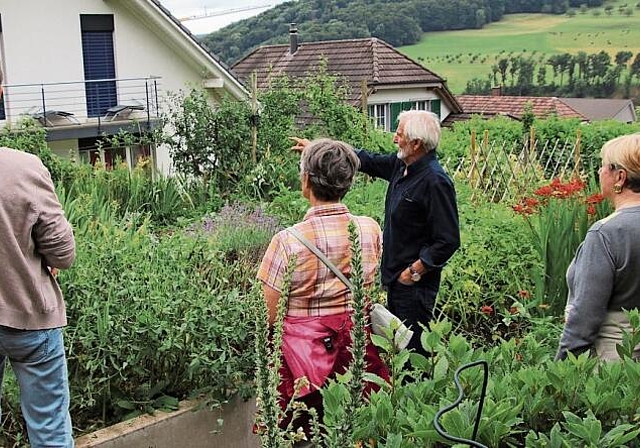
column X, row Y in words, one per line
column 396, row 108
column 378, row 115
column 420, row 105
column 93, row 150
column 99, row 62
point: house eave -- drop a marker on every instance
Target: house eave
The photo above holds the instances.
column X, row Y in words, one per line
column 167, row 28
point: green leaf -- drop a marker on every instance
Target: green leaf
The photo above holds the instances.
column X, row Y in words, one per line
column 125, row 404
column 441, row 369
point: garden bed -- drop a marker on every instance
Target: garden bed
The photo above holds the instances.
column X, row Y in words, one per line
column 188, row 427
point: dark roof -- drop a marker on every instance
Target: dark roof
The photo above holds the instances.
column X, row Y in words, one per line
column 602, row 108
column 465, row 116
column 369, row 59
column 514, row 106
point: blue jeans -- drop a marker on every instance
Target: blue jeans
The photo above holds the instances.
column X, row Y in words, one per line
column 412, row 304
column 39, row 364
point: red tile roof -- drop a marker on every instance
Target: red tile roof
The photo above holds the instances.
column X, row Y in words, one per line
column 514, row 106
column 355, row 60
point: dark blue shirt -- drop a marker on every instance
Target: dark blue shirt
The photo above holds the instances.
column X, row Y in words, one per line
column 420, row 215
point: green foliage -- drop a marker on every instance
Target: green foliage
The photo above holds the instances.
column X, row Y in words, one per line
column 528, row 395
column 207, row 142
column 399, row 23
column 30, row 137
column 558, row 219
column 494, row 267
column 94, row 192
column 150, row 321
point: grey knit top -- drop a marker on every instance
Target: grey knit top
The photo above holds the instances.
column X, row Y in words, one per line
column 604, row 276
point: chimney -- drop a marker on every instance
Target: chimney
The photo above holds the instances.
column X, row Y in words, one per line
column 293, row 38
column 496, row 91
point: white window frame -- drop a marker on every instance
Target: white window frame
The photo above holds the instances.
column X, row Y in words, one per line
column 378, row 114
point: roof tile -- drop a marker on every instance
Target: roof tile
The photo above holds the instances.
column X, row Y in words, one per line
column 514, row 106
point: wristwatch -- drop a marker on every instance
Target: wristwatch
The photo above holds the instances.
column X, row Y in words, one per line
column 415, row 275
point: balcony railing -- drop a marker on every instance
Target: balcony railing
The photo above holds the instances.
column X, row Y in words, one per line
column 84, row 103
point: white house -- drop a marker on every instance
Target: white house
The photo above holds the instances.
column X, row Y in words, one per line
column 85, row 68
column 393, row 81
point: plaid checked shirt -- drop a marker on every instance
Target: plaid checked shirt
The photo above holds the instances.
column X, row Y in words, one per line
column 315, row 290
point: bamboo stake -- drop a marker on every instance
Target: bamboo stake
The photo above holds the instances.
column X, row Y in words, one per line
column 576, row 154
column 254, row 121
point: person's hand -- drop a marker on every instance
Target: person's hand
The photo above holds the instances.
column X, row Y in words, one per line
column 301, row 143
column 405, row 278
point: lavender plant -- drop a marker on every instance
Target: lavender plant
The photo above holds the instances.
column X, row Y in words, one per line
column 238, row 228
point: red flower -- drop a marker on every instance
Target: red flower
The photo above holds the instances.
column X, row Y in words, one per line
column 524, row 294
column 559, row 190
column 527, row 206
column 486, row 310
column 591, row 210
column 514, row 310
column 545, row 191
column 531, row 202
column 595, row 198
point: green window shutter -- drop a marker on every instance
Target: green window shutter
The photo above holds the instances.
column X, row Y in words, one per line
column 396, row 108
column 435, row 108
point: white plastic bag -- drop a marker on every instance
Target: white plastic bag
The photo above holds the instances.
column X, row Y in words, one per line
column 381, row 319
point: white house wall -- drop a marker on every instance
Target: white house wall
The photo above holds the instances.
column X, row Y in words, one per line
column 42, row 44
column 385, row 96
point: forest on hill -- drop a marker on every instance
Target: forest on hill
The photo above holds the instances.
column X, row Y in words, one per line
column 397, row 22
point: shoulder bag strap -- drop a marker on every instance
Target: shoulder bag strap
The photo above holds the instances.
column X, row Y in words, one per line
column 321, row 256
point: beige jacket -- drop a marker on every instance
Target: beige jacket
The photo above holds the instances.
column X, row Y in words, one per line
column 34, row 235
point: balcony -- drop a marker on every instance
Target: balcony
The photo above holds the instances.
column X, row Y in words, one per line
column 81, row 109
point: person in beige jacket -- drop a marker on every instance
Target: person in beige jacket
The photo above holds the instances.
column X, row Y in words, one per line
column 35, row 241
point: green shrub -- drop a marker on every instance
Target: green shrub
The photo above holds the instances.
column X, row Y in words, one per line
column 491, row 273
column 152, row 320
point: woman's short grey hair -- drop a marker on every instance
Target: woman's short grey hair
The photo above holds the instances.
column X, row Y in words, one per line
column 331, row 166
column 421, row 125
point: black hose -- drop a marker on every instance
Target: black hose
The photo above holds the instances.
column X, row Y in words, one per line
column 456, row 380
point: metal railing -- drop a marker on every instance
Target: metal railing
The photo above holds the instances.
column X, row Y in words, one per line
column 84, row 102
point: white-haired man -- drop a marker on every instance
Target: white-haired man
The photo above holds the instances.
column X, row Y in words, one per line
column 421, row 229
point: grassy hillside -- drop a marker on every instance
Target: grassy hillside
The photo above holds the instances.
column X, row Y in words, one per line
column 459, row 56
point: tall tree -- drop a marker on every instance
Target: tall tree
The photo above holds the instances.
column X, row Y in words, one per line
column 503, row 66
column 635, row 66
column 622, row 57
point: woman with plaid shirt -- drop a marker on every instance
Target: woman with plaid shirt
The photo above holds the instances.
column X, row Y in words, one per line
column 317, row 324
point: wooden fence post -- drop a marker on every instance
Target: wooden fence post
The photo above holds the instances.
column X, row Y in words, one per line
column 576, row 154
column 254, row 118
column 473, row 173
column 363, row 104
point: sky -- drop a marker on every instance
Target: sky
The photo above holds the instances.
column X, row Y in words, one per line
column 228, row 10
